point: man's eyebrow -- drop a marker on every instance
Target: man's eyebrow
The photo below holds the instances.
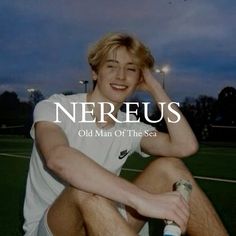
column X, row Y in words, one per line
column 112, row 60
column 115, row 61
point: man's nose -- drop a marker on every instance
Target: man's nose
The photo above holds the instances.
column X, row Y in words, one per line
column 121, row 73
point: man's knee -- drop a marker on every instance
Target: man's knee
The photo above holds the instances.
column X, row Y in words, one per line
column 169, row 167
column 88, row 201
column 78, row 197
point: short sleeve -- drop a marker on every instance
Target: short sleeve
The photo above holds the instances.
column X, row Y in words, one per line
column 46, row 111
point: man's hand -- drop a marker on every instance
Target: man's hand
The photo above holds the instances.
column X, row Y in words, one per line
column 170, row 206
column 148, row 81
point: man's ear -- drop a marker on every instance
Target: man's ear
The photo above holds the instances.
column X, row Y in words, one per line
column 94, row 75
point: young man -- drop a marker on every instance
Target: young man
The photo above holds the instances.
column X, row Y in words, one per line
column 73, row 186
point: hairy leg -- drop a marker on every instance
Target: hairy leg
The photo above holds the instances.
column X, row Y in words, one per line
column 64, row 216
column 159, row 177
column 78, row 213
column 105, row 220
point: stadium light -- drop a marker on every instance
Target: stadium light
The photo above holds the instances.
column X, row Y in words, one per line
column 30, row 90
column 163, row 71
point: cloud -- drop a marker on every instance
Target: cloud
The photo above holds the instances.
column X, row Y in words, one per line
column 44, row 43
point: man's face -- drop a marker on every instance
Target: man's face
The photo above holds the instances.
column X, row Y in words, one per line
column 117, row 77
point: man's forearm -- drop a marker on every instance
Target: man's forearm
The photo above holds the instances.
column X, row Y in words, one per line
column 86, row 175
column 180, row 133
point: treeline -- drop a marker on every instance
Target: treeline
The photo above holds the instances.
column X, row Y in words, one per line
column 17, row 116
column 210, row 118
column 213, row 119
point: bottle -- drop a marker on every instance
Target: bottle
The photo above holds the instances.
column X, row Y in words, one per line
column 185, row 188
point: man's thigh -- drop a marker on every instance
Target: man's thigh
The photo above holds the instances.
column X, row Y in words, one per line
column 78, row 213
column 64, row 216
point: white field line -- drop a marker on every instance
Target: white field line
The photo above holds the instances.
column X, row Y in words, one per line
column 132, row 170
column 137, row 170
column 13, row 155
column 196, row 177
column 216, row 179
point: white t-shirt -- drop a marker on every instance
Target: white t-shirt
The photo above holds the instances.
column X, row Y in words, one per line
column 109, row 148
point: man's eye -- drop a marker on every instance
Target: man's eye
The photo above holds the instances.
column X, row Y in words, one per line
column 111, row 66
column 132, row 69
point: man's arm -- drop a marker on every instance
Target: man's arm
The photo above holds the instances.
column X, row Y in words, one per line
column 180, row 140
column 84, row 174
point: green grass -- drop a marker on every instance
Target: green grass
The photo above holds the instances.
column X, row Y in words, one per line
column 15, row 145
column 13, row 176
column 213, row 160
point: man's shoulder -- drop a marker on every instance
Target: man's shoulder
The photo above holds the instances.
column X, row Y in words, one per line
column 80, row 97
column 68, row 98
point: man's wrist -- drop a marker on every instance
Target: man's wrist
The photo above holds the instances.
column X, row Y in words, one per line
column 136, row 199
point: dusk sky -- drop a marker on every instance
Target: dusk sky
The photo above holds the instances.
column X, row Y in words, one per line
column 43, row 43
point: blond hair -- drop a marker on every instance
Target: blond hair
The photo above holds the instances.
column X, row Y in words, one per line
column 111, row 42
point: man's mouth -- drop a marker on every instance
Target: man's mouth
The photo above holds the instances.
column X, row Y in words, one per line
column 118, row 86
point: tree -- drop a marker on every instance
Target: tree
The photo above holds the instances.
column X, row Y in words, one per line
column 35, row 96
column 224, row 125
column 68, row 92
column 200, row 113
column 9, row 101
column 227, row 106
column 9, row 107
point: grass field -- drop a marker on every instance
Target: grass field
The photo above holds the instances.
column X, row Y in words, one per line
column 213, row 160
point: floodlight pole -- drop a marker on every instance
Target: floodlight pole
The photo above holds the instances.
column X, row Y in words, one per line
column 85, row 83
